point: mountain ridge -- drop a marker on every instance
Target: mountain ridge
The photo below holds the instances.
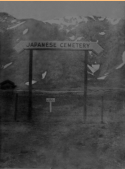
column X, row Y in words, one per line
column 108, row 33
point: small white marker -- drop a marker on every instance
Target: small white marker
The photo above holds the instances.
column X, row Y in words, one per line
column 50, row 100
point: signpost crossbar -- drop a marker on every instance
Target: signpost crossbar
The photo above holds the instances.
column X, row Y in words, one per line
column 58, row 45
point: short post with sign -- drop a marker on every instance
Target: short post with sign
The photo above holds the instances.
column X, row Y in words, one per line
column 50, row 100
column 102, row 110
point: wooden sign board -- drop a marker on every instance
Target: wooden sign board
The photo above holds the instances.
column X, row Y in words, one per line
column 50, row 99
column 58, row 45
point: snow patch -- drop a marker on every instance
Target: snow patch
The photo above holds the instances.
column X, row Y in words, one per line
column 4, row 67
column 79, row 38
column 113, row 21
column 77, row 19
column 106, row 74
column 44, row 75
column 90, row 52
column 91, row 16
column 71, row 20
column 13, row 21
column 72, row 37
column 91, row 68
column 102, row 33
column 33, row 82
column 85, row 19
column 122, row 64
column 59, row 21
column 123, row 57
column 25, row 31
column 90, row 73
column 15, row 26
column 101, row 18
column 96, row 67
column 61, row 27
column 102, row 77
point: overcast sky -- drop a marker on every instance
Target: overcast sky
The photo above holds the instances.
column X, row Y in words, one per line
column 43, row 10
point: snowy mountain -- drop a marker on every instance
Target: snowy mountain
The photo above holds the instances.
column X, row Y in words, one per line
column 65, row 69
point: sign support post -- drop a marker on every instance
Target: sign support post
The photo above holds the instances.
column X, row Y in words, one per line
column 30, row 84
column 50, row 107
column 102, row 110
column 85, row 85
column 16, row 105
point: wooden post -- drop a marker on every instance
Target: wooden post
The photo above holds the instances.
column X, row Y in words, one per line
column 102, row 110
column 85, row 86
column 16, row 106
column 50, row 107
column 30, row 84
column 50, row 100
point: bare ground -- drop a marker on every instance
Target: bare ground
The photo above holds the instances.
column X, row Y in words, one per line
column 60, row 140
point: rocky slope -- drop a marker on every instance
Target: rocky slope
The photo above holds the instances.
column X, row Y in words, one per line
column 63, row 70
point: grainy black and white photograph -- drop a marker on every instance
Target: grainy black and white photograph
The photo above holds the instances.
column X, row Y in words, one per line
column 62, row 84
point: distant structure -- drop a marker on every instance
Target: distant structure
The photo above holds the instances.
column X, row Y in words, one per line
column 7, row 85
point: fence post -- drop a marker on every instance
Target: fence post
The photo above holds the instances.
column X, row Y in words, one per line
column 85, row 86
column 16, row 106
column 30, row 84
column 102, row 110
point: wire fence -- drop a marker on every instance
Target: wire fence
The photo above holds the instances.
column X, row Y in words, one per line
column 102, row 105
